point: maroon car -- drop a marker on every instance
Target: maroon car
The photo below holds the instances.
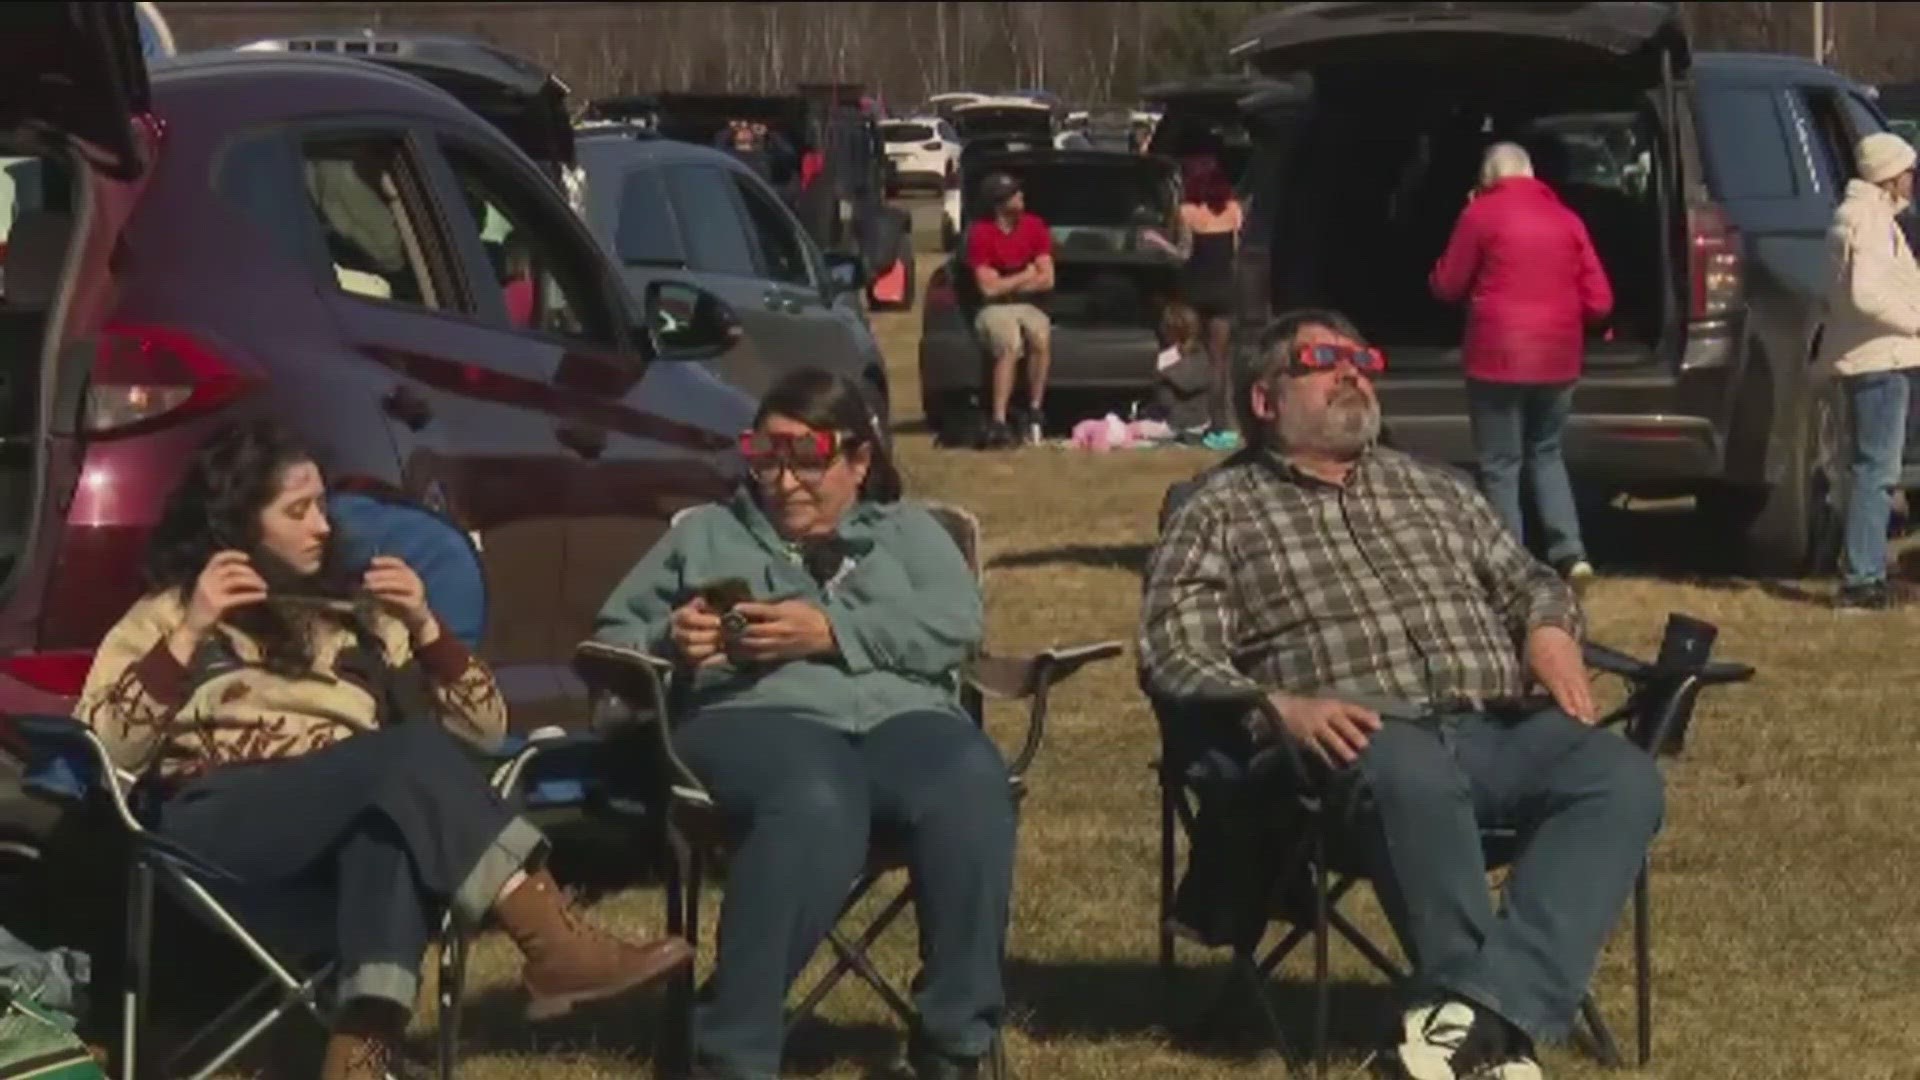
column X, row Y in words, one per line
column 352, row 249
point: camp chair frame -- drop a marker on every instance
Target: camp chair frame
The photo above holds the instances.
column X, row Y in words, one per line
column 646, row 686
column 1655, row 717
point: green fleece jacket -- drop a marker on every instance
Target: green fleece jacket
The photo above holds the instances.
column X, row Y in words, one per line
column 905, row 616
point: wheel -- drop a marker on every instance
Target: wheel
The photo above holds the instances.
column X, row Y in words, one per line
column 1795, row 525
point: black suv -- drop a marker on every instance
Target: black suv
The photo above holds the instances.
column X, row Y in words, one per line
column 1707, row 181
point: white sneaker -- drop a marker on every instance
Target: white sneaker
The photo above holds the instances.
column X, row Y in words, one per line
column 1429, row 1037
column 1432, row 1037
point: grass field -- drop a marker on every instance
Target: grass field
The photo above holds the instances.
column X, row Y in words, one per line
column 1787, row 910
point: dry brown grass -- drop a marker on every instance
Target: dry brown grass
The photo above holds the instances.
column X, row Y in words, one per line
column 1787, row 910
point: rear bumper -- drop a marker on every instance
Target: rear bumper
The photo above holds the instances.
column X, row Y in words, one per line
column 1623, row 449
column 1117, row 360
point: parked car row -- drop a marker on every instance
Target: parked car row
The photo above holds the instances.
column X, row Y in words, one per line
column 1707, row 180
column 358, row 252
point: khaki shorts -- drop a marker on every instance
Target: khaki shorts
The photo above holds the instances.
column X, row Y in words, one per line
column 1004, row 326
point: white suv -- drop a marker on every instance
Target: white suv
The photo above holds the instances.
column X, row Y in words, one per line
column 923, row 149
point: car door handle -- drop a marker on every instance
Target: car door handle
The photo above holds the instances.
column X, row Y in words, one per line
column 584, row 439
column 406, row 405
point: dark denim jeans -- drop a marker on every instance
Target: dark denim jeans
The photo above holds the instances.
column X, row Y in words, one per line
column 387, row 830
column 1585, row 803
column 1877, row 409
column 1518, row 427
column 807, row 797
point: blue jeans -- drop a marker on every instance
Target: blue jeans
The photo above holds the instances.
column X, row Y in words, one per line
column 806, row 798
column 1585, row 803
column 1877, row 408
column 1519, row 425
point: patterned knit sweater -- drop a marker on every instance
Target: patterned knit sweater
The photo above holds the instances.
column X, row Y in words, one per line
column 225, row 708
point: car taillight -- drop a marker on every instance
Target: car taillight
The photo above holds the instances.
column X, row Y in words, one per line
column 141, row 373
column 62, row 673
column 935, row 145
column 940, row 295
column 1714, row 263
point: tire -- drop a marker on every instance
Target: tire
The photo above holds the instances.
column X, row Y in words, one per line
column 1793, row 526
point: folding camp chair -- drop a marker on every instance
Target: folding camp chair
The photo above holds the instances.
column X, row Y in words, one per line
column 1291, row 868
column 66, row 762
column 694, row 831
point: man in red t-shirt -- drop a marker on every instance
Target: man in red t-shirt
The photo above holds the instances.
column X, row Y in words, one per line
column 1011, row 255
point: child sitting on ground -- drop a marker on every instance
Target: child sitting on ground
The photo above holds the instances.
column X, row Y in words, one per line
column 1183, row 379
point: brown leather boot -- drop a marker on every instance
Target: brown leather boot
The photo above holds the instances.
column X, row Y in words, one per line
column 361, row 1046
column 569, row 963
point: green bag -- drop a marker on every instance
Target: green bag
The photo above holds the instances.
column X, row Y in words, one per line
column 38, row 1042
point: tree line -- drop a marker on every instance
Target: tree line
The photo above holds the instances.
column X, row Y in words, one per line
column 1090, row 51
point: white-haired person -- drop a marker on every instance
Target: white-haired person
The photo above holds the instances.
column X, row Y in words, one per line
column 1870, row 341
column 1525, row 267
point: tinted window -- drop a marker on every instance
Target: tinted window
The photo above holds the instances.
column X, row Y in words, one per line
column 647, row 235
column 904, row 133
column 548, row 280
column 1830, row 140
column 366, row 195
column 781, row 252
column 1746, row 143
column 1862, row 116
column 716, row 238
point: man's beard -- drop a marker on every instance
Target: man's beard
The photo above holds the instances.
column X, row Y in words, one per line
column 1345, row 426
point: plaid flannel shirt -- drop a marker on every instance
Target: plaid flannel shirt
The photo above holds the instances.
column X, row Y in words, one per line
column 1400, row 585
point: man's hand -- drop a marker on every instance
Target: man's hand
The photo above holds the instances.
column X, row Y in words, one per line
column 1335, row 730
column 788, row 630
column 1554, row 658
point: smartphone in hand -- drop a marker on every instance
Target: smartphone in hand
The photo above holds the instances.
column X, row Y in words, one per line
column 722, row 596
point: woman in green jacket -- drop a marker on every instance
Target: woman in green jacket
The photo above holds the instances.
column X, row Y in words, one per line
column 823, row 707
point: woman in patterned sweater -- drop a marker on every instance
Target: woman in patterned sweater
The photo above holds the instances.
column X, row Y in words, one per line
column 305, row 724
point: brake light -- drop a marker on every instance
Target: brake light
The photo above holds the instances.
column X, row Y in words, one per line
column 934, row 145
column 940, row 295
column 1714, row 264
column 141, row 373
column 61, row 673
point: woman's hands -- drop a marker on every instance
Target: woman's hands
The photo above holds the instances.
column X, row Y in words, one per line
column 787, row 630
column 392, row 582
column 226, row 583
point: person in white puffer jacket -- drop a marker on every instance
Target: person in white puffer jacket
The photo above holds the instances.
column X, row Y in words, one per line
column 1871, row 341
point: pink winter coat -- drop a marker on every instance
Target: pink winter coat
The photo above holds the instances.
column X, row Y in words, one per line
column 1525, row 266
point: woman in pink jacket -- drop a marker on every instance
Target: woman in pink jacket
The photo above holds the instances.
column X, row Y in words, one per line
column 1525, row 266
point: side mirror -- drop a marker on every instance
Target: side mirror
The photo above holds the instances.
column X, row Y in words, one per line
column 688, row 323
column 846, row 273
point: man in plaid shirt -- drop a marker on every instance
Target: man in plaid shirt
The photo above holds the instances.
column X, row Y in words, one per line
column 1372, row 609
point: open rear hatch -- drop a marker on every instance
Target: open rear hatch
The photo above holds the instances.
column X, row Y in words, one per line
column 1221, row 116
column 1376, row 175
column 698, row 118
column 1574, row 42
column 1098, row 206
column 76, row 71
column 526, row 102
column 1004, row 124
column 73, row 158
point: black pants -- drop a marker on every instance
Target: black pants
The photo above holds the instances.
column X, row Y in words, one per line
column 383, row 832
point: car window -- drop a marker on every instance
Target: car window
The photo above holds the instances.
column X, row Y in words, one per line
column 365, row 192
column 1833, row 133
column 946, row 132
column 716, row 237
column 548, row 281
column 1862, row 117
column 906, row 133
column 783, row 257
column 1746, row 143
column 647, row 234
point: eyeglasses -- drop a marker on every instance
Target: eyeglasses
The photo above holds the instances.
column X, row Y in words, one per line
column 1308, row 359
column 806, row 456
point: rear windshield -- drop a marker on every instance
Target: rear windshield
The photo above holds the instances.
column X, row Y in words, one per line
column 898, row 133
column 28, row 186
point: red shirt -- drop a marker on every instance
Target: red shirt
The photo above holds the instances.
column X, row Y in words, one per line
column 1008, row 252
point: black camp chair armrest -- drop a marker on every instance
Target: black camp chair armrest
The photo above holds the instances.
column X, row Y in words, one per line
column 1614, row 662
column 639, row 681
column 1032, row 679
